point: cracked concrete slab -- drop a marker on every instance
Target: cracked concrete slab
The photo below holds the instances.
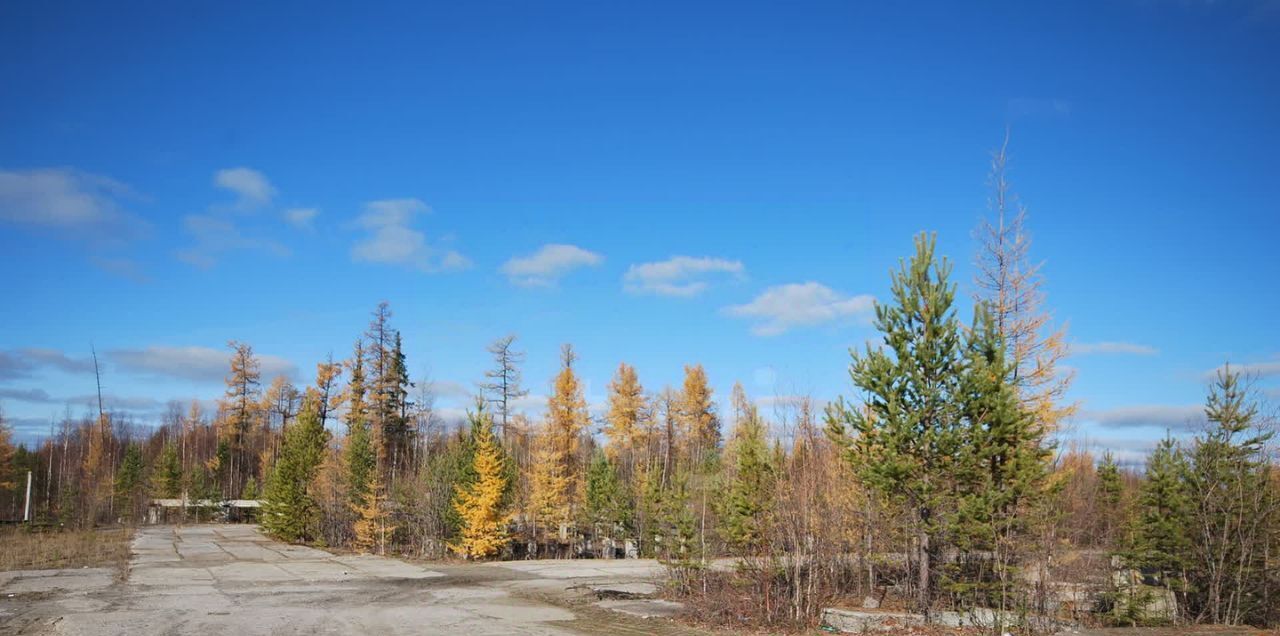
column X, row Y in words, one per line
column 233, row 579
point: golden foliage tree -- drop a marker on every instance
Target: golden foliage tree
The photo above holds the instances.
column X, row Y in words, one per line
column 558, row 483
column 548, row 483
column 373, row 520
column 697, row 413
column 1012, row 285
column 480, row 503
column 627, row 409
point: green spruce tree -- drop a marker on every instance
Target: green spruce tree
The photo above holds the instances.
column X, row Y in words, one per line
column 290, row 511
column 167, row 478
column 748, row 495
column 608, row 508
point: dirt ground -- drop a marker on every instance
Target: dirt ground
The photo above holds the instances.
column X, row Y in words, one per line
column 230, row 579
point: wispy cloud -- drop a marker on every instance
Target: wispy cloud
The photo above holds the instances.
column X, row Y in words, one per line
column 221, row 228
column 390, row 238
column 783, row 307
column 1248, row 370
column 453, row 391
column 38, row 396
column 58, row 360
column 682, row 276
column 110, row 402
column 1156, row 416
column 23, row 363
column 13, row 366
column 1087, row 348
column 546, row 266
column 301, row 218
column 216, row 235
column 252, row 189
column 79, row 207
column 202, row 364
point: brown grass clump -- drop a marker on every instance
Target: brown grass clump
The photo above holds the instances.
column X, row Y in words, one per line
column 50, row 548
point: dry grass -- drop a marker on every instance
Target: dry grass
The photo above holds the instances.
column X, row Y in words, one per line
column 47, row 549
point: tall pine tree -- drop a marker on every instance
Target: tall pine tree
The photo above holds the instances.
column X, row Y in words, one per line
column 290, row 511
column 910, row 431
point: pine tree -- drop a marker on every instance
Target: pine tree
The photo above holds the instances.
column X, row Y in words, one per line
column 679, row 548
column 1233, row 507
column 250, row 490
column 1001, row 470
column 1164, row 518
column 360, row 460
column 649, row 502
column 130, row 485
column 607, row 505
column 397, row 384
column 290, row 509
column 748, row 496
column 167, row 479
column 910, row 433
column 480, row 504
column 1111, row 494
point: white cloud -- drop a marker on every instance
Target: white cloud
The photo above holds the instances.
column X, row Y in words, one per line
column 1086, row 348
column 678, row 276
column 217, row 230
column 202, row 364
column 75, row 205
column 782, row 307
column 250, row 186
column 391, row 239
column 301, row 218
column 545, row 266
column 1178, row 418
column 1249, row 370
column 450, row 390
column 215, row 235
column 530, row 404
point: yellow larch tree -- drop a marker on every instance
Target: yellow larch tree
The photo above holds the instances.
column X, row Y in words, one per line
column 479, row 503
column 1012, row 286
column 627, row 409
column 548, row 483
column 557, row 478
column 372, row 524
column 697, row 413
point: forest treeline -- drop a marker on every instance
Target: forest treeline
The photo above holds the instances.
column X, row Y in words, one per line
column 935, row 484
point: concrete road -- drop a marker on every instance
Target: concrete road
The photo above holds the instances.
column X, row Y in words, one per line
column 230, row 579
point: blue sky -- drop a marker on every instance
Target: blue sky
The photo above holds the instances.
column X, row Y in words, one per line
column 172, row 177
